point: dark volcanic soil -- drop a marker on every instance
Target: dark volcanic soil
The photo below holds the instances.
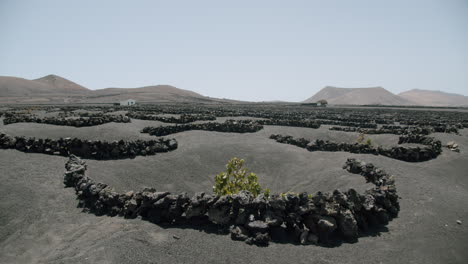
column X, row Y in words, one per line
column 40, row 223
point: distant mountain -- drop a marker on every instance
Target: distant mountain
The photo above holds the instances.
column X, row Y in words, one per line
column 55, row 89
column 61, row 84
column 156, row 93
column 19, row 87
column 434, row 98
column 358, row 96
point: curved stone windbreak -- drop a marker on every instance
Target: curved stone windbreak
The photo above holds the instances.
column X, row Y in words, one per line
column 397, row 130
column 443, row 127
column 291, row 123
column 409, row 154
column 419, row 139
column 76, row 122
column 66, row 114
column 347, row 123
column 232, row 126
column 319, row 218
column 441, row 121
column 295, row 118
column 183, row 119
column 90, row 149
column 446, row 128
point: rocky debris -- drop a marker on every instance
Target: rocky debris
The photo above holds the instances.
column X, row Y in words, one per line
column 257, row 226
column 304, row 218
column 459, row 222
column 233, row 126
column 326, row 224
column 259, row 239
column 62, row 121
column 409, row 154
column 90, row 149
column 453, row 146
column 239, row 233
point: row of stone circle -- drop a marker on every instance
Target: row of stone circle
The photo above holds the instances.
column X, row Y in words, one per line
column 439, row 120
column 234, row 126
column 349, row 126
column 269, row 121
column 379, row 116
column 399, row 130
column 91, row 149
column 182, row 119
column 255, row 220
column 93, row 120
column 76, row 122
column 324, row 119
column 410, row 154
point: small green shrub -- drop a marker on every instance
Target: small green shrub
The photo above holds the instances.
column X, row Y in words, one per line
column 362, row 140
column 236, row 178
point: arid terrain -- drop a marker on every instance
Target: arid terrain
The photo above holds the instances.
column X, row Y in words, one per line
column 40, row 221
column 329, row 132
column 53, row 89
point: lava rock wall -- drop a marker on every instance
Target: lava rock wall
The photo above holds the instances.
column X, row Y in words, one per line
column 409, row 154
column 233, row 126
column 290, row 122
column 347, row 123
column 90, row 149
column 316, row 219
column 76, row 122
column 183, row 119
column 397, row 130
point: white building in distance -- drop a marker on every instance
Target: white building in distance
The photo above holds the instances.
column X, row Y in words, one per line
column 128, row 102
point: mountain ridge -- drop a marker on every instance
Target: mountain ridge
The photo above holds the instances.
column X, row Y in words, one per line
column 357, row 96
column 55, row 89
column 61, row 83
column 435, row 98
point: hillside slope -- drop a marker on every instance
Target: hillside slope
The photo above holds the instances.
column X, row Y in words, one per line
column 434, row 98
column 13, row 86
column 51, row 84
column 327, row 93
column 156, row 93
column 61, row 84
column 52, row 89
column 358, row 96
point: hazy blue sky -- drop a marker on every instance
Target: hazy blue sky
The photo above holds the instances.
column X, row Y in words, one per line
column 250, row 50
